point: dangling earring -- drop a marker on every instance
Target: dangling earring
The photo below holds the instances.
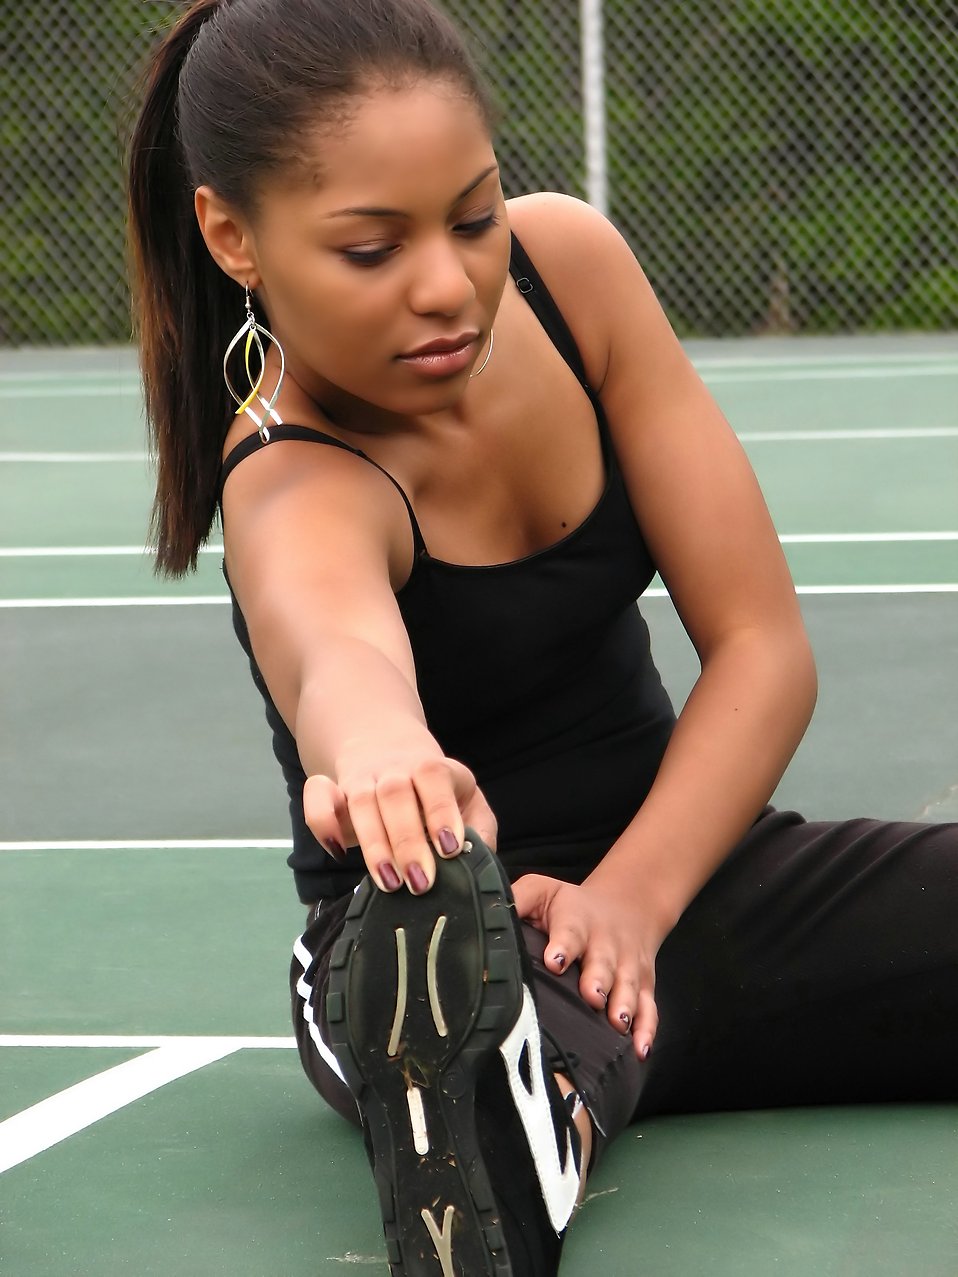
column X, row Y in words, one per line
column 487, row 358
column 252, row 330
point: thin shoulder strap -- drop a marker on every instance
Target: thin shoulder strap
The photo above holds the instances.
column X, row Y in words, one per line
column 306, row 434
column 529, row 283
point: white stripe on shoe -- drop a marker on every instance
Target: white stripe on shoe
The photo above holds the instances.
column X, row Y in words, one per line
column 559, row 1184
column 417, row 1120
column 402, row 989
column 442, row 1240
column 432, row 977
column 304, row 958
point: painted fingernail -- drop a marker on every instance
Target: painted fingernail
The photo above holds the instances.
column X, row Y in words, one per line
column 335, row 850
column 560, row 961
column 644, row 1053
column 417, row 880
column 388, row 877
column 448, row 842
column 602, row 994
column 625, row 1018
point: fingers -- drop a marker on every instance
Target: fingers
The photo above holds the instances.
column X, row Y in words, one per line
column 645, row 1025
column 477, row 813
column 610, row 982
column 549, row 905
column 599, row 979
column 327, row 815
column 533, row 894
column 390, row 831
column 626, row 993
column 400, row 819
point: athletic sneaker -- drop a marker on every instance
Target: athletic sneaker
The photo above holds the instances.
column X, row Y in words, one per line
column 432, row 1017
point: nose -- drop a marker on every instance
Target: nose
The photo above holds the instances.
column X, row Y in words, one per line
column 441, row 284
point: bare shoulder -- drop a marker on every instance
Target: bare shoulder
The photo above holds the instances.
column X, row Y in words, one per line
column 546, row 220
column 293, row 502
column 586, row 264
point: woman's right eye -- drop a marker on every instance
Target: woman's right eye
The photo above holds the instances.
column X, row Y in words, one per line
column 366, row 256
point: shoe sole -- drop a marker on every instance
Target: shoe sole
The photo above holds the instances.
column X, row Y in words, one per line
column 422, row 990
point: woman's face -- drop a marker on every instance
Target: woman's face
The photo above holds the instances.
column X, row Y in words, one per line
column 401, row 243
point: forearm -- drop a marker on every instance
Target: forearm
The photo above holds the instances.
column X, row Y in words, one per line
column 376, row 776
column 733, row 740
column 351, row 695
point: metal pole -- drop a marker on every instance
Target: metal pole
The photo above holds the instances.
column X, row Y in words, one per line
column 593, row 103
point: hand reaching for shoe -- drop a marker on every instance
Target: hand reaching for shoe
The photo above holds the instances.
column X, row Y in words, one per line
column 603, row 932
column 401, row 809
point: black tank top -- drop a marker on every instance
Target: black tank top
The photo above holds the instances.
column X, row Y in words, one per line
column 535, row 673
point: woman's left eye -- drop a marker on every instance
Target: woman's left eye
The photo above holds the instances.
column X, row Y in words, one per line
column 479, row 225
column 376, row 256
column 366, row 257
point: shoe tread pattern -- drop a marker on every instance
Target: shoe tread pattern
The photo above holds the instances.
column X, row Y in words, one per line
column 479, row 971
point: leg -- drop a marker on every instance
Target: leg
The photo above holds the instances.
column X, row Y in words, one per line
column 308, row 978
column 819, row 965
column 428, row 1006
column 600, row 1063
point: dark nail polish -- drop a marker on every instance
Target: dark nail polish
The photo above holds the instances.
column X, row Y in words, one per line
column 335, row 850
column 416, row 877
column 388, row 877
column 448, row 842
column 625, row 1018
column 644, row 1053
column 560, row 961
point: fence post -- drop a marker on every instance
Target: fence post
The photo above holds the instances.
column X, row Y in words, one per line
column 593, row 103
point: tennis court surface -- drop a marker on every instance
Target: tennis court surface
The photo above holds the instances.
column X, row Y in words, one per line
column 153, row 1118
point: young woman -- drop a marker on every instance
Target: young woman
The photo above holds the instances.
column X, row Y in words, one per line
column 474, row 440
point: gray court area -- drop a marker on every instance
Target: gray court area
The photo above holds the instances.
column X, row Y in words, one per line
column 146, row 912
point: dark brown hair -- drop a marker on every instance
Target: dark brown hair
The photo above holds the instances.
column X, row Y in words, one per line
column 229, row 93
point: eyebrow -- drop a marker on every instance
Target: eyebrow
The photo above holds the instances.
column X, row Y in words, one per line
column 398, row 212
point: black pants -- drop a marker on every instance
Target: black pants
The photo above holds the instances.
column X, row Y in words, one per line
column 818, row 965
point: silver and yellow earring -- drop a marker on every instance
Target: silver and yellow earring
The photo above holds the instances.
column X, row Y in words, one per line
column 254, row 333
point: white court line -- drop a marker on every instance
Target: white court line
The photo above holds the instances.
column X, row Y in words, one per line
column 88, row 551
column 827, row 436
column 159, row 600
column 745, row 436
column 940, row 587
column 713, row 373
column 161, row 844
column 143, row 1041
column 132, row 551
column 863, row 538
column 56, row 1118
column 102, row 374
column 73, row 457
column 70, row 391
column 881, row 372
column 859, row 360
column 202, row 600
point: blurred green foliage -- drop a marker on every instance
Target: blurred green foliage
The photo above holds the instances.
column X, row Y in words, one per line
column 801, row 158
column 778, row 165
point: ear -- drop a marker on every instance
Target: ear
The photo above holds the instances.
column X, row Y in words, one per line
column 227, row 236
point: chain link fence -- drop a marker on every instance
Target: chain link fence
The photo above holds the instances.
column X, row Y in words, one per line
column 777, row 165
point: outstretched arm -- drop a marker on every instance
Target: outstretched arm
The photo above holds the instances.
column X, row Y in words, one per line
column 315, row 541
column 710, row 534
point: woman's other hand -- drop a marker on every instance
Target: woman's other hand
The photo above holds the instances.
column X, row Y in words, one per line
column 399, row 809
column 614, row 946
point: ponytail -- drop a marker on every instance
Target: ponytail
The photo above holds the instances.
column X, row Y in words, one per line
column 185, row 311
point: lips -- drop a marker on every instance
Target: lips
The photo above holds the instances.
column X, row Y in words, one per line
column 443, row 357
column 441, row 345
